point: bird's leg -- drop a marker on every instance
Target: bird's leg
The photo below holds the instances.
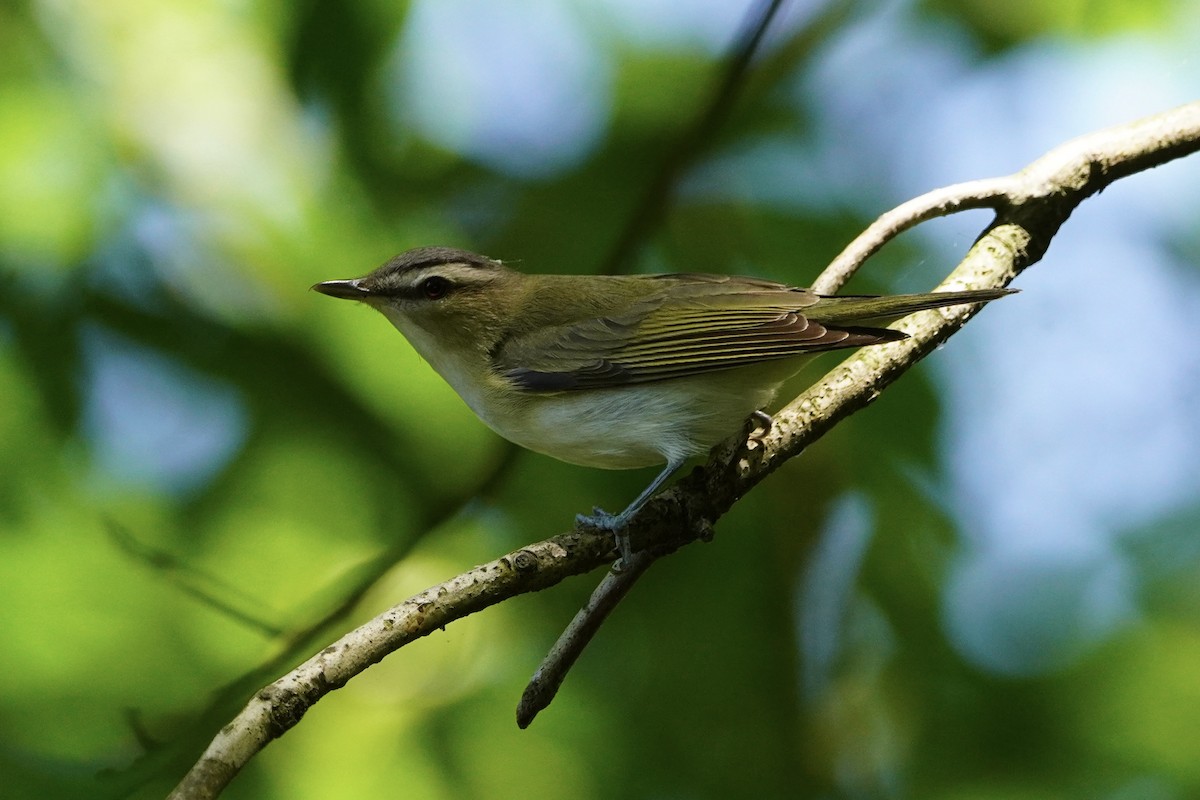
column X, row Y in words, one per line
column 602, row 520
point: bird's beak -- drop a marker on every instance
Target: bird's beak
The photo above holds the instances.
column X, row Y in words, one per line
column 347, row 290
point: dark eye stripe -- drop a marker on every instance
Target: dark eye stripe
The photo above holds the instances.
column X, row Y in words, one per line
column 430, row 283
column 418, row 292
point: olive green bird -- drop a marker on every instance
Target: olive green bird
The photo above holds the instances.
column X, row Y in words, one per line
column 617, row 372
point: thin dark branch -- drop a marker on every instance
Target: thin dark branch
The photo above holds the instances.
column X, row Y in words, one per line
column 373, row 571
column 543, row 686
column 693, row 141
column 209, row 589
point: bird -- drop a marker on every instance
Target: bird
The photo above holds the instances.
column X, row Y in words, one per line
column 618, row 371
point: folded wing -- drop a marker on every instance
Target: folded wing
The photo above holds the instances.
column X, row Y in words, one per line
column 686, row 325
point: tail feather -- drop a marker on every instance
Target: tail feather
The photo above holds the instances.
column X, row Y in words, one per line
column 866, row 309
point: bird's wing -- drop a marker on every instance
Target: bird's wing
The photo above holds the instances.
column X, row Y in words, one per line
column 698, row 324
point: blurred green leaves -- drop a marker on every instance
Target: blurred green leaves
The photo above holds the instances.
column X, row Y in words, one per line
column 52, row 175
column 175, row 175
column 1004, row 25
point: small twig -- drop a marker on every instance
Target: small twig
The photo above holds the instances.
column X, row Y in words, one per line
column 988, row 193
column 1063, row 177
column 543, row 686
column 206, row 587
column 373, row 571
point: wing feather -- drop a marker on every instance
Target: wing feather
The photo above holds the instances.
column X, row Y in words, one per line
column 690, row 325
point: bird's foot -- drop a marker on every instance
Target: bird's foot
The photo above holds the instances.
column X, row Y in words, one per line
column 601, row 520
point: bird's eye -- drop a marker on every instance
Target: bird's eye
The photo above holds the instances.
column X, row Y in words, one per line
column 435, row 287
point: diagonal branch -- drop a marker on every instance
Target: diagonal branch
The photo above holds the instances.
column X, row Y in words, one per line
column 543, row 686
column 1033, row 205
column 696, row 136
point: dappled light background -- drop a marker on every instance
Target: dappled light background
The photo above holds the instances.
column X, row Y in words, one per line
column 983, row 586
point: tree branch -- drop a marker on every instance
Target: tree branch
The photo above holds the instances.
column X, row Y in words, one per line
column 1031, row 206
column 543, row 686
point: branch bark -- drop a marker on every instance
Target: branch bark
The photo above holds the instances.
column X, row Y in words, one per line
column 1030, row 207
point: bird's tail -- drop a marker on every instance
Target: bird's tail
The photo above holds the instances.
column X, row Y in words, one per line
column 867, row 309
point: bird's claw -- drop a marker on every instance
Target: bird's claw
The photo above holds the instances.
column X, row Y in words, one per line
column 598, row 519
column 601, row 520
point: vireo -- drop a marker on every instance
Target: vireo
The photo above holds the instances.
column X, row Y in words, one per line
column 617, row 371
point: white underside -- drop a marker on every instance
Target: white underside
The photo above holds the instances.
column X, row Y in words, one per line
column 633, row 426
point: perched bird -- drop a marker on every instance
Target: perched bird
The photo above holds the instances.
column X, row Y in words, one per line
column 617, row 372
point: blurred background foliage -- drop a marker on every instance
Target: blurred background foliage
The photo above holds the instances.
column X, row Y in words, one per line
column 984, row 587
